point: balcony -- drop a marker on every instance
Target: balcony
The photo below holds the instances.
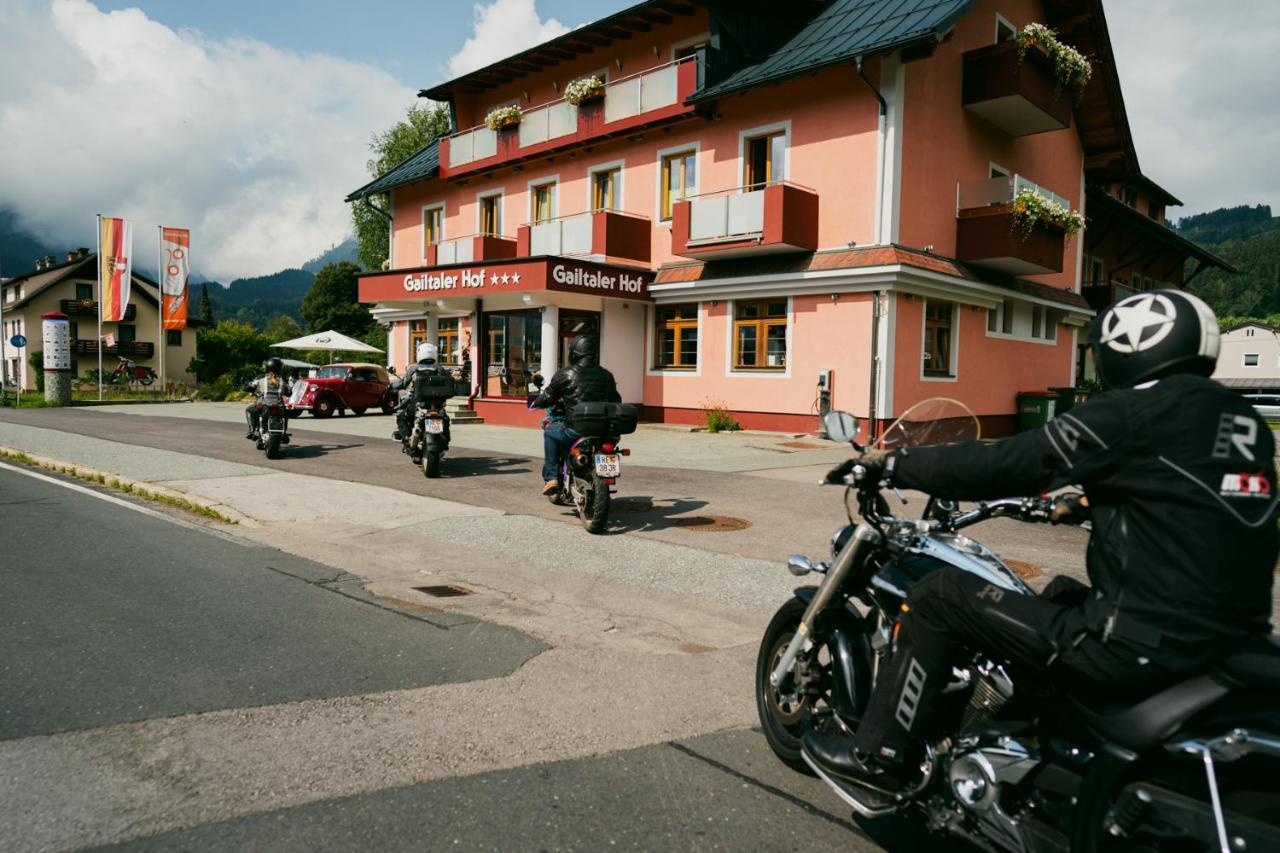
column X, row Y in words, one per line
column 137, row 349
column 1101, row 296
column 780, row 217
column 89, row 308
column 90, row 347
column 602, row 234
column 985, row 232
column 468, row 250
column 1019, row 96
column 655, row 96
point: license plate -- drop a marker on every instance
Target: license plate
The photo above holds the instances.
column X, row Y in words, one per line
column 435, row 426
column 608, row 464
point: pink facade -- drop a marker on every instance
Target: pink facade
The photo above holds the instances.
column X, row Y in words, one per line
column 829, row 289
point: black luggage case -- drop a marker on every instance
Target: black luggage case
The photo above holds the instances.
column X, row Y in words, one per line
column 603, row 419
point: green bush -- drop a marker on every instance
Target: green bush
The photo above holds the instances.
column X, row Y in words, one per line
column 36, row 360
column 718, row 418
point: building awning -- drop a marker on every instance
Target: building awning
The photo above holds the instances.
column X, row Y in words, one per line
column 1148, row 240
column 1250, row 383
column 519, row 276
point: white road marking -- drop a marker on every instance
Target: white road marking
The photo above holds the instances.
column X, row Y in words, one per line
column 76, row 487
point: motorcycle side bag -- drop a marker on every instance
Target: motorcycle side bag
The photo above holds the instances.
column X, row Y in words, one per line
column 603, row 419
column 433, row 387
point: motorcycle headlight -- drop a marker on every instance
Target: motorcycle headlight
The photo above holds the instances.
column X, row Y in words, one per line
column 840, row 539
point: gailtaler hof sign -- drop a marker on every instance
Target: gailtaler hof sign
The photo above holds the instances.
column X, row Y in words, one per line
column 511, row 277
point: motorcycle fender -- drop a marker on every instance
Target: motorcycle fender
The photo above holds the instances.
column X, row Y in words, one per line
column 436, row 441
column 851, row 655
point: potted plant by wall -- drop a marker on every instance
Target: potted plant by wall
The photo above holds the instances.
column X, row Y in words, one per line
column 1070, row 67
column 1030, row 210
column 584, row 90
column 503, row 117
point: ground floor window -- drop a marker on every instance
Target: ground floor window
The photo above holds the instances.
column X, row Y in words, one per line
column 173, row 337
column 675, row 337
column 514, row 341
column 126, row 333
column 447, row 340
column 760, row 335
column 417, row 335
column 938, row 319
column 572, row 324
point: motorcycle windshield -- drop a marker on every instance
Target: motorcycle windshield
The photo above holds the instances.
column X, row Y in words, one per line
column 938, row 420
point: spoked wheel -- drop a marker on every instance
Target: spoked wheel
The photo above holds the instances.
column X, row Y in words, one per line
column 324, row 407
column 146, row 378
column 594, row 508
column 802, row 703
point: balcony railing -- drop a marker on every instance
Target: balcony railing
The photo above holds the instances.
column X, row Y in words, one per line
column 656, row 94
column 776, row 217
column 89, row 308
column 986, row 234
column 470, row 249
column 606, row 233
column 137, row 349
column 1020, row 95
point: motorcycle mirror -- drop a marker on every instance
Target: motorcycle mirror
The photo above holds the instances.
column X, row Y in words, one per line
column 391, row 370
column 840, row 426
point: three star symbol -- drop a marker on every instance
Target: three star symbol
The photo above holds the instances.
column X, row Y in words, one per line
column 1130, row 320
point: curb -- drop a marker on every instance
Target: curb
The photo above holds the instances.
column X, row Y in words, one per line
column 140, row 488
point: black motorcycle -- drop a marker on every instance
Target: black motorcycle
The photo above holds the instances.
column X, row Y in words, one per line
column 1020, row 766
column 273, row 425
column 429, row 438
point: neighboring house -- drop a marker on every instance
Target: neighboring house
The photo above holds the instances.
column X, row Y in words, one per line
column 70, row 287
column 1250, row 358
column 766, row 198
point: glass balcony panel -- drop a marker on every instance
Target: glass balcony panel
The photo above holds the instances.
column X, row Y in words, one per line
column 576, row 236
column 622, row 99
column 986, row 193
column 544, row 239
column 486, row 143
column 658, row 88
column 562, row 119
column 534, row 127
column 746, row 213
column 708, row 218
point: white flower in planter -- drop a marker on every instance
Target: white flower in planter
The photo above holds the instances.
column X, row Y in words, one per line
column 583, row 89
column 503, row 117
column 1070, row 66
column 1031, row 209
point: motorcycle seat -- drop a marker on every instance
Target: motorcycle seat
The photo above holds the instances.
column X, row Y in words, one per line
column 1256, row 665
column 1154, row 719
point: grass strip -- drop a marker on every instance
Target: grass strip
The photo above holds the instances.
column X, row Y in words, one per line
column 118, row 485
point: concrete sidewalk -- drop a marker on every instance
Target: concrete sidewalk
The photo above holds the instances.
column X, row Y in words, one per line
column 655, row 446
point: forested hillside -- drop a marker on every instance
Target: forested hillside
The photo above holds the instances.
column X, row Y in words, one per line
column 1248, row 238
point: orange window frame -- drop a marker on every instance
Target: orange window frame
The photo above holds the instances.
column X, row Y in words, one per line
column 682, row 163
column 762, row 322
column 681, row 318
column 604, row 189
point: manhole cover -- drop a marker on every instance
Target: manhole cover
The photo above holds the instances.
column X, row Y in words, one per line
column 1026, row 571
column 443, row 591
column 632, row 505
column 710, row 523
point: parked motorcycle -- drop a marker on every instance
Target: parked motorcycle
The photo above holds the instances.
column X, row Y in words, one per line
column 1024, row 767
column 273, row 425
column 128, row 371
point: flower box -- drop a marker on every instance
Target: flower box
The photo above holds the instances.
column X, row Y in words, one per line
column 584, row 89
column 503, row 117
column 1071, row 69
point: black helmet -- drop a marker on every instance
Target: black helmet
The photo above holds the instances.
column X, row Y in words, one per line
column 275, row 365
column 1150, row 335
column 583, row 350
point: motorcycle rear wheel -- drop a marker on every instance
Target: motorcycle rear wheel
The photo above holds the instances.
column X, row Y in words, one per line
column 146, row 379
column 273, row 446
column 786, row 713
column 595, row 509
column 431, row 464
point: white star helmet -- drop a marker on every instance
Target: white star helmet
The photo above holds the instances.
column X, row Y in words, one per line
column 1149, row 335
column 427, row 352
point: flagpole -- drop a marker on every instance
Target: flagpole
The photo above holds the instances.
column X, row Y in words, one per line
column 160, row 337
column 99, row 230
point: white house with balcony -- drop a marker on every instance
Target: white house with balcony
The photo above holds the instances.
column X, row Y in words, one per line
column 1250, row 358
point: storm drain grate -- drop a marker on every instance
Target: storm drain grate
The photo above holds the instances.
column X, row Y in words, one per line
column 1026, row 571
column 443, row 591
column 803, row 445
column 710, row 523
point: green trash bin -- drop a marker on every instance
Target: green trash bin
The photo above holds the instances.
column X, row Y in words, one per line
column 1035, row 408
column 1066, row 398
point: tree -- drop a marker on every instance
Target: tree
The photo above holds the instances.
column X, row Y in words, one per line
column 282, row 328
column 206, row 305
column 391, row 148
column 333, row 302
column 229, row 349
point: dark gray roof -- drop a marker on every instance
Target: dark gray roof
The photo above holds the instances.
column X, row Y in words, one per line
column 425, row 164
column 843, row 30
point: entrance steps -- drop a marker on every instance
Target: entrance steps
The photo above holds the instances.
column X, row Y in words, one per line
column 460, row 413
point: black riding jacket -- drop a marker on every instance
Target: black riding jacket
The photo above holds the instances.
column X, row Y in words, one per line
column 585, row 381
column 411, row 372
column 1181, row 482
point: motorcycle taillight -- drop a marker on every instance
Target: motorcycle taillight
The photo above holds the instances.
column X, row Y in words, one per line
column 608, row 447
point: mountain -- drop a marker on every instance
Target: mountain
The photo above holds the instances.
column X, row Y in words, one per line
column 344, row 251
column 256, row 300
column 1247, row 238
column 19, row 251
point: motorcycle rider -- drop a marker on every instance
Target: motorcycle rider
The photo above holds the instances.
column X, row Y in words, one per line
column 426, row 364
column 583, row 381
column 1180, row 484
column 272, row 382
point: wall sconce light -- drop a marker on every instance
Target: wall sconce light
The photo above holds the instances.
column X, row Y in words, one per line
column 555, row 86
column 618, row 62
column 439, row 303
column 835, row 297
column 526, row 97
column 911, row 297
column 928, row 249
column 655, row 50
column 527, row 299
column 715, row 302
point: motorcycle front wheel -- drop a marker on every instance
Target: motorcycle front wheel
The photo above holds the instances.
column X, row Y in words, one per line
column 802, row 703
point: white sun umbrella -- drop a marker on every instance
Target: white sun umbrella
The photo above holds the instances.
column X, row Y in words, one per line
column 330, row 341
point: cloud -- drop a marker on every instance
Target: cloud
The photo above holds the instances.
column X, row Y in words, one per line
column 250, row 146
column 502, row 27
column 1199, row 84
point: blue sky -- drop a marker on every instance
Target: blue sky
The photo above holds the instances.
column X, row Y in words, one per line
column 414, row 51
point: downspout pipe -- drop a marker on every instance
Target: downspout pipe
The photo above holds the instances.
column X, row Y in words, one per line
column 874, row 384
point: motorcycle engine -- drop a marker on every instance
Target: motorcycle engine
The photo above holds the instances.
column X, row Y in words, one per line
column 977, row 774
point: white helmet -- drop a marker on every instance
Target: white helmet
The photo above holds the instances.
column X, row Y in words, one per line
column 427, row 352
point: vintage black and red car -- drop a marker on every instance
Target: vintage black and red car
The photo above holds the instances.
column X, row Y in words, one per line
column 339, row 387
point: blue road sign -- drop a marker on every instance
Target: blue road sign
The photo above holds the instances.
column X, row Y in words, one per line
column 18, row 341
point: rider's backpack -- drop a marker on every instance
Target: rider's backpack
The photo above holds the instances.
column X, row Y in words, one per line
column 603, row 419
column 434, row 386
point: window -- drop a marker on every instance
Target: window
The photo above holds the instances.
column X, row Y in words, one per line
column 994, row 171
column 1251, row 359
column 1097, row 273
column 544, row 199
column 417, row 335
column 74, row 328
column 1052, row 317
column 1135, row 281
column 1037, row 321
column 84, row 292
column 1005, row 31
column 606, row 189
column 491, row 215
column 765, row 160
column 432, row 227
column 760, row 335
column 126, row 333
column 675, row 337
column 447, row 340
column 1131, row 196
column 173, row 337
column 1000, row 320
column 1153, row 210
column 937, row 338
column 685, row 50
column 679, row 178
column 515, row 352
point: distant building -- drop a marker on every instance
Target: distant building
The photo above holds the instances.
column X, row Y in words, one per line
column 70, row 287
column 1250, row 358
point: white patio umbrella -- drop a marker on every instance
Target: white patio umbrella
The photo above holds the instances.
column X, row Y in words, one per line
column 330, row 341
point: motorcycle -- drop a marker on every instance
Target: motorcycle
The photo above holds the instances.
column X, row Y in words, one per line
column 273, row 425
column 128, row 371
column 1021, row 766
column 429, row 438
